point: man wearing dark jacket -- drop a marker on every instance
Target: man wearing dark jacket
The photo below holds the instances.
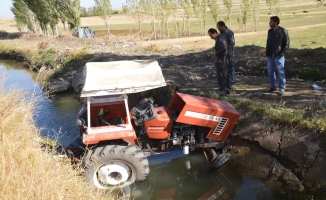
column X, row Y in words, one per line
column 224, row 30
column 277, row 42
column 220, row 60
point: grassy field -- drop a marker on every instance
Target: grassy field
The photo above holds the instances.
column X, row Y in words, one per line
column 291, row 16
column 300, row 38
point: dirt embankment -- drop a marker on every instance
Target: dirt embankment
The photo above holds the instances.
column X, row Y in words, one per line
column 282, row 152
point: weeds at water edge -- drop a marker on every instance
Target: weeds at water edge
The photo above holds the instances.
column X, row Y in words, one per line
column 27, row 171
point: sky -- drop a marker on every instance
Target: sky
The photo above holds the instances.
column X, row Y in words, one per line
column 5, row 6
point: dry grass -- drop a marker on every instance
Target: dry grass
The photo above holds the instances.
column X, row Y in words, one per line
column 27, row 171
column 8, row 25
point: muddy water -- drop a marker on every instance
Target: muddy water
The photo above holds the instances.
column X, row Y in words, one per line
column 173, row 176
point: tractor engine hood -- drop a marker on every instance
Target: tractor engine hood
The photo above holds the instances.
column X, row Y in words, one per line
column 121, row 77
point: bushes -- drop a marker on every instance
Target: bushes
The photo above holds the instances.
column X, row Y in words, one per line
column 311, row 74
column 43, row 54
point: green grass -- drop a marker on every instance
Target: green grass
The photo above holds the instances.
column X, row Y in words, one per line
column 288, row 116
column 299, row 38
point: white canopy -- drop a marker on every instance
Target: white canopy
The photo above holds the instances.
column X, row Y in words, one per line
column 119, row 77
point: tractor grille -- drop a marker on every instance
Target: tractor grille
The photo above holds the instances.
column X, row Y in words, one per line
column 225, row 183
column 219, row 128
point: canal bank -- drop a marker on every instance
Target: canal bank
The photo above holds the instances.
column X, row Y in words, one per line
column 263, row 164
column 27, row 170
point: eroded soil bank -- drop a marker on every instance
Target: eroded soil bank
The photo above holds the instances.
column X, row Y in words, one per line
column 284, row 152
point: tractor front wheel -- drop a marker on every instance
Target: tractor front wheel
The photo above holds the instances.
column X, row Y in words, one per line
column 115, row 164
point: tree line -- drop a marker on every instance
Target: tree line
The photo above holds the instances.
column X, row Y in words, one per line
column 38, row 15
column 91, row 12
column 181, row 12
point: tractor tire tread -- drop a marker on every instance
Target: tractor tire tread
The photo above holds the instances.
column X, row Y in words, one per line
column 123, row 151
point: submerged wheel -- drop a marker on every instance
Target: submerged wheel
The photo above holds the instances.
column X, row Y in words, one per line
column 115, row 164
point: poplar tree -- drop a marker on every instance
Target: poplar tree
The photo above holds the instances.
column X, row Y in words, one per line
column 204, row 10
column 104, row 10
column 240, row 21
column 65, row 10
column 54, row 20
column 135, row 10
column 274, row 6
column 270, row 5
column 53, row 12
column 152, row 9
column 213, row 7
column 91, row 11
column 46, row 13
column 73, row 13
column 321, row 2
column 198, row 11
column 278, row 6
column 175, row 14
column 255, row 8
column 160, row 18
column 244, row 14
column 228, row 6
column 182, row 4
column 41, row 9
column 24, row 17
column 188, row 13
column 166, row 11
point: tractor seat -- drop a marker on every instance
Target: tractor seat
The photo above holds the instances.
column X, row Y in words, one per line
column 144, row 111
column 116, row 121
column 101, row 115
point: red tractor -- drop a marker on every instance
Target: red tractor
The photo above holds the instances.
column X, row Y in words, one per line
column 120, row 139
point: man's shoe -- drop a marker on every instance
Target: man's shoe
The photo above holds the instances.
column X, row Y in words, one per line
column 221, row 93
column 281, row 92
column 271, row 90
column 227, row 92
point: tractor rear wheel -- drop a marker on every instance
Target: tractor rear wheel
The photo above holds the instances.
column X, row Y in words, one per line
column 115, row 164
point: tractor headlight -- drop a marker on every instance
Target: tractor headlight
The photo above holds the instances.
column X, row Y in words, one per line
column 80, row 122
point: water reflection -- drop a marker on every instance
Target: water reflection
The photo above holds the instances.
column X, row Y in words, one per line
column 181, row 177
column 54, row 116
column 57, row 118
column 17, row 75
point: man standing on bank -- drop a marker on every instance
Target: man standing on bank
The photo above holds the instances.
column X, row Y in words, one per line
column 220, row 60
column 224, row 30
column 277, row 42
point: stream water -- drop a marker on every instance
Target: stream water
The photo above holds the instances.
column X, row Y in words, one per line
column 55, row 117
column 172, row 176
